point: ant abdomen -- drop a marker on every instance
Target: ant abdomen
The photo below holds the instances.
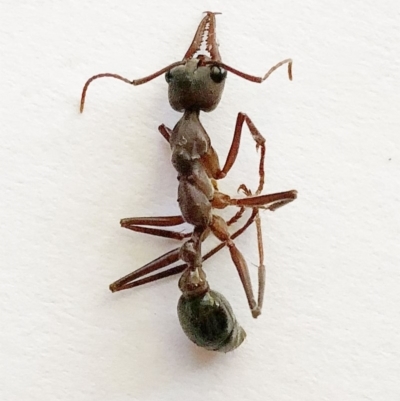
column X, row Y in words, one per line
column 209, row 322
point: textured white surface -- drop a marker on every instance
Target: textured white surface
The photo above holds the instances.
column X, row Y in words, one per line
column 330, row 329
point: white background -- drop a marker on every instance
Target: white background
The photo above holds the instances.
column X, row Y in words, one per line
column 330, row 329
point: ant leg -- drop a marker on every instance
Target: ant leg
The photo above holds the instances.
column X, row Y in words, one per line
column 165, row 132
column 230, row 160
column 157, row 264
column 236, row 234
column 271, row 202
column 134, row 279
column 261, row 266
column 260, row 246
column 154, row 277
column 236, row 217
column 268, row 201
column 220, row 229
column 160, row 232
column 135, row 223
column 160, row 221
column 234, row 149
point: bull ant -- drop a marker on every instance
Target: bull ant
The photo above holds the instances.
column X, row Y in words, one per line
column 196, row 84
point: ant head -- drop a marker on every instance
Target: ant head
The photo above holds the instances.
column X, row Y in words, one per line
column 197, row 82
column 196, row 85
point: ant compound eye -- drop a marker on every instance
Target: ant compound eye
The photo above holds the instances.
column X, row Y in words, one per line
column 217, row 74
column 168, row 76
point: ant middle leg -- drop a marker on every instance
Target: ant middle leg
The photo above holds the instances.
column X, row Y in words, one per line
column 136, row 224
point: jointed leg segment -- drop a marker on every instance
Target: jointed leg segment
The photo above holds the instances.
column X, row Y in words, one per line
column 234, row 149
column 135, row 279
column 136, row 223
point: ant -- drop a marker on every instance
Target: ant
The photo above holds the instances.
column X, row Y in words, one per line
column 196, row 84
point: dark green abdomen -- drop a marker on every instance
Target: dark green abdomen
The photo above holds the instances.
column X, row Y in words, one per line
column 209, row 322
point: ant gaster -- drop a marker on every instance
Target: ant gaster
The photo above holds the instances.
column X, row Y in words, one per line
column 196, row 84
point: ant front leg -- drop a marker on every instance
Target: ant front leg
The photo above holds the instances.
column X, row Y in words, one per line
column 234, row 149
